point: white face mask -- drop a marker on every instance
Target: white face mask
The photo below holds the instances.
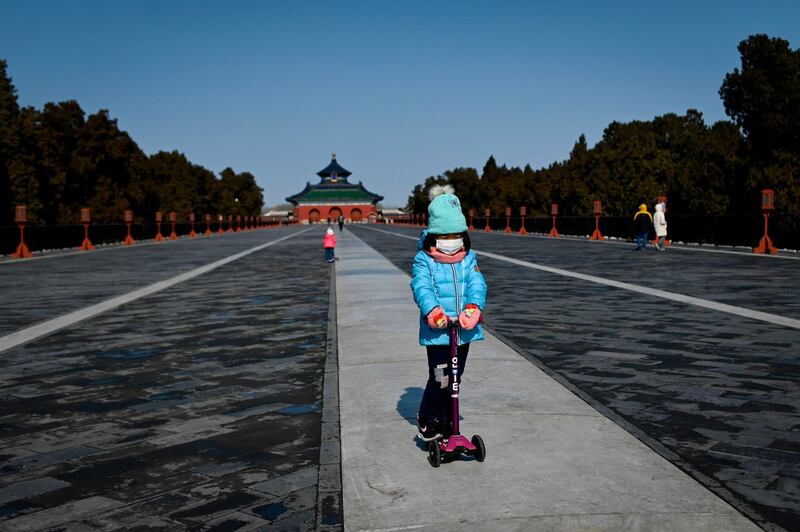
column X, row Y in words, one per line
column 449, row 246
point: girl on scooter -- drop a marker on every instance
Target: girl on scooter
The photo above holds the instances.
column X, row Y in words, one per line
column 447, row 284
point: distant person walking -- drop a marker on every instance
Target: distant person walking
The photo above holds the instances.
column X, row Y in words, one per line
column 341, row 222
column 642, row 222
column 660, row 223
column 329, row 243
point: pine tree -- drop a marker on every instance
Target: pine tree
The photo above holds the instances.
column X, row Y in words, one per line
column 9, row 116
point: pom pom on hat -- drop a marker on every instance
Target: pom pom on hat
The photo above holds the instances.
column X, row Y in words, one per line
column 438, row 190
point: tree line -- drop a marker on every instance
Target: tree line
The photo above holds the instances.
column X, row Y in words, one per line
column 57, row 160
column 715, row 169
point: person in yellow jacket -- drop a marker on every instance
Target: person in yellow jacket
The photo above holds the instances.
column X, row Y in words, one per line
column 642, row 222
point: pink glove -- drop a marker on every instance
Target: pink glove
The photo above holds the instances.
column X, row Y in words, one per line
column 437, row 319
column 470, row 317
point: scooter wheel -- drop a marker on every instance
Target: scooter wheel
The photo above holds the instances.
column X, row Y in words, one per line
column 480, row 448
column 434, row 453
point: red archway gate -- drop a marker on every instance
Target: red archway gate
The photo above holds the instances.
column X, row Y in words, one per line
column 334, row 213
column 356, row 215
column 313, row 216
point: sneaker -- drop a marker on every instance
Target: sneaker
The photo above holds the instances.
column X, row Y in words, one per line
column 428, row 432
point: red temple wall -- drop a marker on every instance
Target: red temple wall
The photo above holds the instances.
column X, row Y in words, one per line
column 304, row 213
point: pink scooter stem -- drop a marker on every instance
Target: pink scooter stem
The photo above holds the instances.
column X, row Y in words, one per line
column 453, row 326
column 456, row 441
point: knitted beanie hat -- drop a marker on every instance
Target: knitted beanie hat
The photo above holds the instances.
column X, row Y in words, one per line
column 444, row 211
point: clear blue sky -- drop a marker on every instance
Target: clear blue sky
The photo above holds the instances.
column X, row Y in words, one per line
column 400, row 90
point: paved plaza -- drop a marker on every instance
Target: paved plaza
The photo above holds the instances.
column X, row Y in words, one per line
column 266, row 390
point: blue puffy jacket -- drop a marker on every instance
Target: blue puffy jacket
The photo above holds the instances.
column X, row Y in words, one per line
column 450, row 286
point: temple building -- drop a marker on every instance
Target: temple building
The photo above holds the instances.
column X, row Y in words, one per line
column 332, row 196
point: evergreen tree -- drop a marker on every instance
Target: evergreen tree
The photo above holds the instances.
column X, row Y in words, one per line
column 239, row 194
column 118, row 163
column 763, row 99
column 9, row 116
column 64, row 167
column 57, row 161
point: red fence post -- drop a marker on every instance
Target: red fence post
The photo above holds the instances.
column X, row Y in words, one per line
column 129, row 241
column 21, row 218
column 207, row 232
column 767, row 206
column 554, row 214
column 508, row 220
column 220, row 220
column 238, row 223
column 471, row 216
column 598, row 212
column 192, row 233
column 159, row 236
column 230, row 224
column 523, row 211
column 173, row 217
column 86, row 245
column 487, row 229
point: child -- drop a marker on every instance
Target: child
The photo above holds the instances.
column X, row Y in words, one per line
column 329, row 243
column 447, row 283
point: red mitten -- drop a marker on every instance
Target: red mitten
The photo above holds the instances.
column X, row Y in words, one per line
column 437, row 318
column 470, row 317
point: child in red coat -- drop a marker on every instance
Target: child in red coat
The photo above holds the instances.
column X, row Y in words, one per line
column 329, row 243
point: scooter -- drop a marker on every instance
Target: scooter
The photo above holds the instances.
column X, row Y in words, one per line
column 450, row 448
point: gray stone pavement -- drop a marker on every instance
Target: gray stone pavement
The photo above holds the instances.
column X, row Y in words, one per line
column 714, row 393
column 553, row 462
column 54, row 284
column 199, row 407
column 203, row 406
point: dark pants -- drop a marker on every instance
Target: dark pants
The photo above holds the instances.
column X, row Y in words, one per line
column 641, row 240
column 329, row 254
column 435, row 405
column 341, row 224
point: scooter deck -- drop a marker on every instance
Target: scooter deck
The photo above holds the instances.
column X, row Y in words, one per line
column 456, row 443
